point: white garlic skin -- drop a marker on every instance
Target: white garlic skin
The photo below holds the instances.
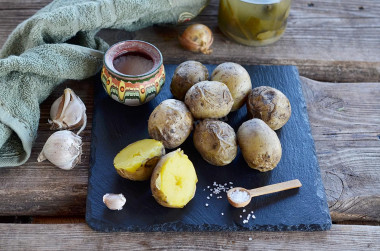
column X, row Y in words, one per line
column 68, row 112
column 63, row 149
column 114, row 201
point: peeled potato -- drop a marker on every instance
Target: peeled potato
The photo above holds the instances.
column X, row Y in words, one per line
column 174, row 180
column 137, row 160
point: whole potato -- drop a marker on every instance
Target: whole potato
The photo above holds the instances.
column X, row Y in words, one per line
column 185, row 76
column 259, row 145
column 171, row 123
column 216, row 141
column 209, row 99
column 237, row 80
column 270, row 105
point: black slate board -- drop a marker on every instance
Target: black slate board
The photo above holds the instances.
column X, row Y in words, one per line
column 116, row 125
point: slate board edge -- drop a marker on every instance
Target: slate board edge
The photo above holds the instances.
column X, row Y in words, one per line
column 319, row 177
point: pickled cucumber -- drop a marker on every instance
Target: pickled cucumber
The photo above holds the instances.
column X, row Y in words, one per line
column 253, row 22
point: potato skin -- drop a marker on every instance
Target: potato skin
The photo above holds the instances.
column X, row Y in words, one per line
column 270, row 105
column 237, row 80
column 260, row 146
column 171, row 123
column 185, row 76
column 216, row 142
column 209, row 99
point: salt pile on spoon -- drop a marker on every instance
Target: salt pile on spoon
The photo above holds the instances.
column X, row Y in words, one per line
column 239, row 196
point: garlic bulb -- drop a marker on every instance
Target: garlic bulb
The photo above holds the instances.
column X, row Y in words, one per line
column 63, row 149
column 114, row 201
column 68, row 112
column 197, row 38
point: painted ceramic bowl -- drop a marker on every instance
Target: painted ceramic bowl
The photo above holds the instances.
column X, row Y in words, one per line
column 133, row 89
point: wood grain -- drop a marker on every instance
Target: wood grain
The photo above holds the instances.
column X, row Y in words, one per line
column 80, row 236
column 40, row 188
column 346, row 128
column 333, row 41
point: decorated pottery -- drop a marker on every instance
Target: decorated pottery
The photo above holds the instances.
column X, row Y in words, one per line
column 133, row 90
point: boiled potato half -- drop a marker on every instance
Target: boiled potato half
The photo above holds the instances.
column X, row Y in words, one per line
column 174, row 180
column 216, row 142
column 185, row 76
column 209, row 99
column 137, row 160
column 171, row 123
column 260, row 146
column 237, row 80
column 270, row 105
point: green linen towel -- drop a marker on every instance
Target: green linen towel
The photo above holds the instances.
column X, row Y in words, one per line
column 59, row 43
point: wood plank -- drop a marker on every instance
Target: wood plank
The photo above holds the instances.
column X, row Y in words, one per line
column 346, row 128
column 348, row 152
column 332, row 41
column 40, row 188
column 80, row 236
column 23, row 4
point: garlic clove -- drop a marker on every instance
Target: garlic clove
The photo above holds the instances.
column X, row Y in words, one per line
column 114, row 201
column 68, row 112
column 197, row 38
column 63, row 149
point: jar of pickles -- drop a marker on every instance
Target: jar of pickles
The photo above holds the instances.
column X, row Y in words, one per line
column 253, row 22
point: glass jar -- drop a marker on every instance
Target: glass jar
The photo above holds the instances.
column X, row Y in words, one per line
column 253, row 22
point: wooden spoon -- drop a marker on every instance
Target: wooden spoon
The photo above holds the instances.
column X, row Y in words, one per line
column 249, row 194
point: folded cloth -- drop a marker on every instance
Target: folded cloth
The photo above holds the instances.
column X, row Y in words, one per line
column 59, row 43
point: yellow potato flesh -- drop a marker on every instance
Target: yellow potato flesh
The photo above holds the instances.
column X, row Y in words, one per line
column 135, row 154
column 177, row 180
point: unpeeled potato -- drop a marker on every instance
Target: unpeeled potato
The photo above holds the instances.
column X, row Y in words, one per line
column 185, row 76
column 216, row 141
column 237, row 80
column 260, row 146
column 171, row 123
column 209, row 99
column 270, row 105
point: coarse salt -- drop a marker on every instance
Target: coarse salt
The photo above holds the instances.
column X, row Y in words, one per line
column 239, row 196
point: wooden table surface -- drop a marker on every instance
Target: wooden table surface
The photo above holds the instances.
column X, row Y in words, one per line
column 334, row 42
